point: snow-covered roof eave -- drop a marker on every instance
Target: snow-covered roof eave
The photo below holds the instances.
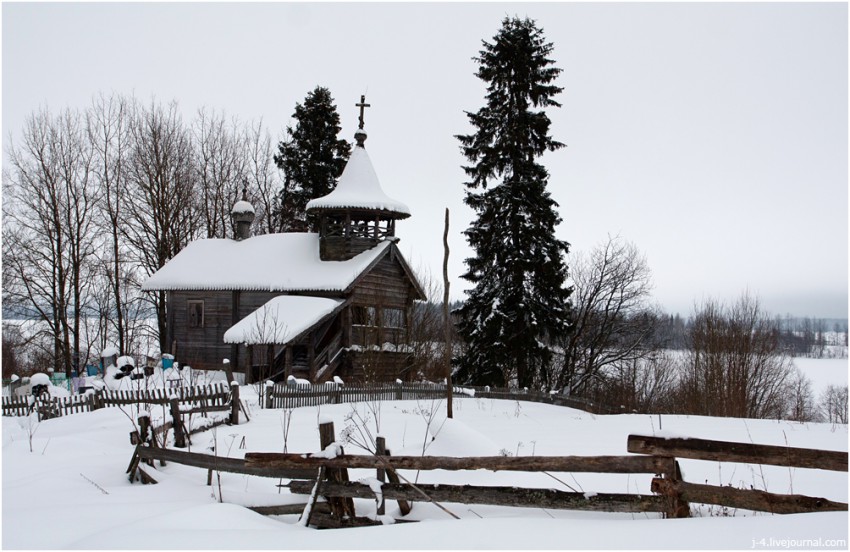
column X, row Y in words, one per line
column 359, row 188
column 282, row 320
column 271, row 262
column 396, row 209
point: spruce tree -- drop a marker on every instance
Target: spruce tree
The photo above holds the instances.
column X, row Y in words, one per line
column 519, row 301
column 312, row 159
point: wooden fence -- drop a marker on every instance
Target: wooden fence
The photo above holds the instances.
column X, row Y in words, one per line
column 286, row 396
column 747, row 499
column 327, row 475
column 205, row 397
column 282, row 395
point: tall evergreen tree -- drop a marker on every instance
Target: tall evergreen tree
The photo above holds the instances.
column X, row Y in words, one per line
column 312, row 158
column 519, row 300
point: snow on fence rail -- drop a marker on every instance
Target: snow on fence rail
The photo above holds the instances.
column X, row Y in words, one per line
column 205, row 397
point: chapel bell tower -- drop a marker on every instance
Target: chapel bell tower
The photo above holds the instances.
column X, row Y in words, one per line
column 357, row 215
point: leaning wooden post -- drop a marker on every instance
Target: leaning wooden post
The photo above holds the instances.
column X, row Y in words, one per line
column 234, row 403
column 447, row 329
column 177, row 424
column 403, row 505
column 381, row 450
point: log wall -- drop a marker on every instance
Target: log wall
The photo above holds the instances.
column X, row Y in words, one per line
column 385, row 286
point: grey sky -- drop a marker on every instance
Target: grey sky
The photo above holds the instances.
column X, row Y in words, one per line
column 714, row 136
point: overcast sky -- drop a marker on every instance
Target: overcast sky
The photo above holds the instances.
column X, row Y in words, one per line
column 713, row 136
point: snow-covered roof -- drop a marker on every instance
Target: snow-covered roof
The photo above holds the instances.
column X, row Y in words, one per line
column 358, row 188
column 270, row 262
column 281, row 320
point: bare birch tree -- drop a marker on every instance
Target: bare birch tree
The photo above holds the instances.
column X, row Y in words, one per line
column 108, row 127
column 220, row 169
column 263, row 176
column 49, row 202
column 612, row 321
column 163, row 216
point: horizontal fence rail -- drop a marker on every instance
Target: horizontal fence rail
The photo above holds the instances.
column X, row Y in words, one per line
column 583, row 464
column 220, row 463
column 748, row 453
column 494, row 496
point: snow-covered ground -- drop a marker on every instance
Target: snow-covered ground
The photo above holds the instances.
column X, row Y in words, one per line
column 72, row 492
column 823, row 372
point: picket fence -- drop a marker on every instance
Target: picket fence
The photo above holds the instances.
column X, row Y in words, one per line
column 283, row 395
column 207, row 396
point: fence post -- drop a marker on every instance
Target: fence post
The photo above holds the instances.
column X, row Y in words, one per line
column 269, row 387
column 381, row 450
column 144, row 432
column 398, row 390
column 340, row 507
column 177, row 425
column 234, row 403
column 678, row 508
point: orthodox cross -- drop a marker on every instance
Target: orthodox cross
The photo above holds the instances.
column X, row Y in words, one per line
column 362, row 105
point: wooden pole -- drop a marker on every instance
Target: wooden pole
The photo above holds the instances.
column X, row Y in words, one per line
column 339, row 507
column 381, row 450
column 234, row 403
column 177, row 425
column 269, row 396
column 228, row 369
column 447, row 353
column 144, row 433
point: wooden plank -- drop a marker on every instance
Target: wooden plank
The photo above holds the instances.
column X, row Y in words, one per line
column 585, row 464
column 145, row 477
column 724, row 451
column 289, row 509
column 230, row 465
column 328, row 521
column 746, row 499
column 495, row 496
